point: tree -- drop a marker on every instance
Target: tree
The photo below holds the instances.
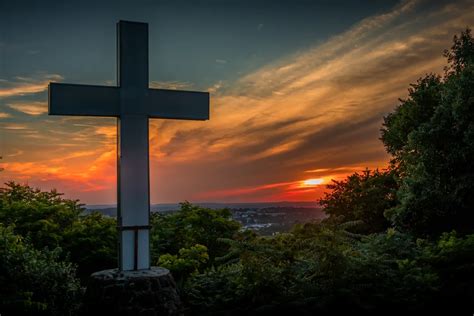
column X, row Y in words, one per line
column 189, row 226
column 49, row 221
column 186, row 262
column 35, row 282
column 424, row 97
column 363, row 197
column 41, row 216
column 320, row 267
column 91, row 243
column 431, row 135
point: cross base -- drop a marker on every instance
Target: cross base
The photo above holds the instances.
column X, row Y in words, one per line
column 143, row 292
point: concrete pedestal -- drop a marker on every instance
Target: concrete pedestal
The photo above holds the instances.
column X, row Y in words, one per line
column 143, row 292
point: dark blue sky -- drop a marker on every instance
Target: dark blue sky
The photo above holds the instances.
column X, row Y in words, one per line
column 200, row 42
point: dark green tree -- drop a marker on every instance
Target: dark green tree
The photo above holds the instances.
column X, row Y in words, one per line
column 363, row 197
column 49, row 221
column 424, row 97
column 41, row 216
column 431, row 135
column 189, row 226
column 322, row 268
column 188, row 261
column 91, row 243
column 34, row 282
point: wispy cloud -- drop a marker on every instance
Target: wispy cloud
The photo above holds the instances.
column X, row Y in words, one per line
column 215, row 87
column 15, row 154
column 14, row 126
column 4, row 115
column 30, row 108
column 26, row 85
column 172, row 85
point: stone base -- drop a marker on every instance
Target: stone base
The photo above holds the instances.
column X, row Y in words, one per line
column 142, row 292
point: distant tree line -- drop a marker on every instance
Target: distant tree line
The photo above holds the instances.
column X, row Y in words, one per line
column 395, row 239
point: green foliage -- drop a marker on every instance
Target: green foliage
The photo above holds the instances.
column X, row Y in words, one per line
column 461, row 55
column 218, row 290
column 363, row 197
column 41, row 216
column 34, row 282
column 268, row 272
column 452, row 257
column 431, row 135
column 424, row 97
column 391, row 265
column 320, row 267
column 186, row 262
column 48, row 220
column 190, row 226
column 91, row 243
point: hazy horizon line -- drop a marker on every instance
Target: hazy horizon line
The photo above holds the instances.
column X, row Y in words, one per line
column 220, row 203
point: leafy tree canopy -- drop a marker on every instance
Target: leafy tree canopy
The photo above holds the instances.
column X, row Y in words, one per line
column 363, row 197
column 47, row 219
column 35, row 282
column 431, row 136
column 190, row 226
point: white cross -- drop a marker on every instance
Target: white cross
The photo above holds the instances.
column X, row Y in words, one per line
column 133, row 103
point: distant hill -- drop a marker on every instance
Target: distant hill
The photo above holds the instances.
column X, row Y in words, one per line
column 164, row 207
column 266, row 217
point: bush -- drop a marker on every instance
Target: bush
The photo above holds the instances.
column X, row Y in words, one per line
column 186, row 262
column 320, row 267
column 48, row 220
column 33, row 281
column 41, row 216
column 97, row 234
column 189, row 226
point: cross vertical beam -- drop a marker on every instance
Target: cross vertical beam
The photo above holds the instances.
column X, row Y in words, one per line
column 133, row 207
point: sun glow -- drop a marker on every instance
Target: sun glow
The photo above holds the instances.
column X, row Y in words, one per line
column 312, row 182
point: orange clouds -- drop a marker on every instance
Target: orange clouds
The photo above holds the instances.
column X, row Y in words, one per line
column 82, row 164
column 77, row 173
column 23, row 89
column 31, row 108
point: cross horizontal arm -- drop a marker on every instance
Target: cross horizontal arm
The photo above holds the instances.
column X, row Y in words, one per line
column 174, row 104
column 83, row 100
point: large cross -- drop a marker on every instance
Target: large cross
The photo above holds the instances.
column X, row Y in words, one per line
column 132, row 103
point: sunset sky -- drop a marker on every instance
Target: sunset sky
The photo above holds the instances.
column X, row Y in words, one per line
column 298, row 91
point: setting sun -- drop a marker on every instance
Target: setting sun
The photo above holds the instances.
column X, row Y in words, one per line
column 312, row 182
